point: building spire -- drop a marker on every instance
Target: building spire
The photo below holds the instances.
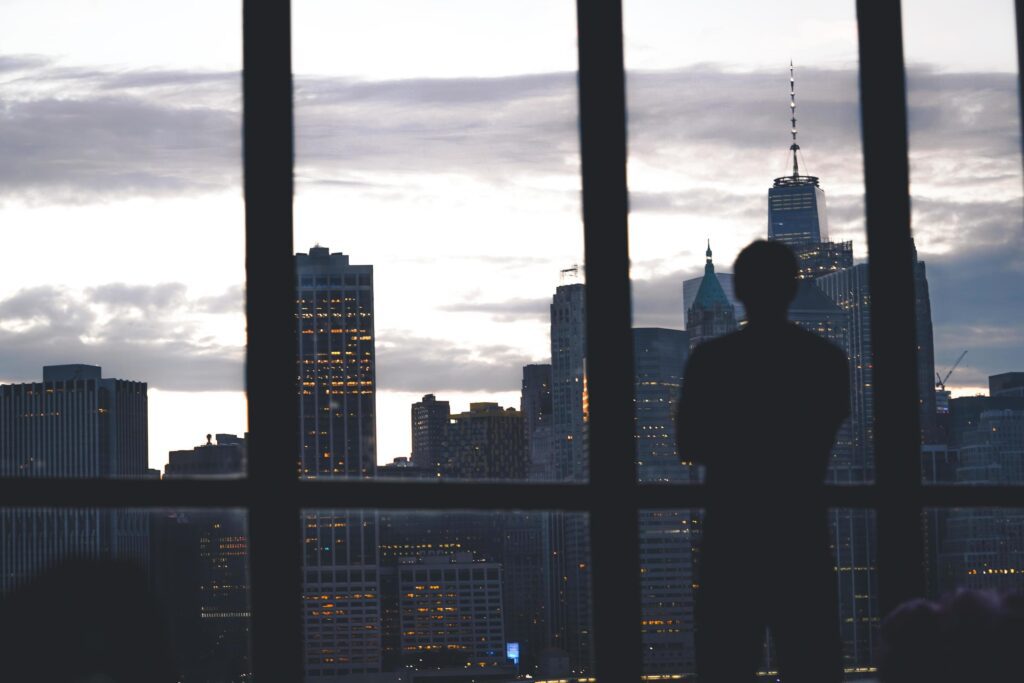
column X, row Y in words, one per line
column 709, row 267
column 792, row 114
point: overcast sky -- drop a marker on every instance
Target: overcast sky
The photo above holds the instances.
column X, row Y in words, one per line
column 438, row 142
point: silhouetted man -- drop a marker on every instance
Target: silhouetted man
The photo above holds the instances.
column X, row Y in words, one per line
column 760, row 409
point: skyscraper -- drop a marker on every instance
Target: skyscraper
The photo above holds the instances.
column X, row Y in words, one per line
column 535, row 405
column 77, row 424
column 667, row 537
column 925, row 353
column 833, row 302
column 337, row 412
column 569, row 534
column 336, row 365
column 659, row 356
column 430, row 433
column 568, row 369
column 712, row 314
column 796, row 205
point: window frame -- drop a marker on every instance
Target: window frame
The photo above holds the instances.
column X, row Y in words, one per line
column 274, row 496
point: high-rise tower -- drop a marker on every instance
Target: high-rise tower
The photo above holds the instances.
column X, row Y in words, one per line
column 796, row 204
column 569, row 534
column 337, row 414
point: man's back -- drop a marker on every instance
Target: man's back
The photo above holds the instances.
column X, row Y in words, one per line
column 760, row 408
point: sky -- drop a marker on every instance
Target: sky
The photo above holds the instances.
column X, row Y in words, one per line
column 437, row 141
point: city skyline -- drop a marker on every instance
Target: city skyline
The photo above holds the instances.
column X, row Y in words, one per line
column 393, row 151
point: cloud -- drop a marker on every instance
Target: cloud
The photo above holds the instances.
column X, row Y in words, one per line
column 658, row 301
column 975, row 293
column 81, row 135
column 92, row 134
column 511, row 310
column 409, row 362
column 121, row 296
column 135, row 332
column 232, row 300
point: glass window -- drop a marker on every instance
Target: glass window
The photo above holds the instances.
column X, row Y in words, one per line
column 732, row 140
column 121, row 306
column 449, row 591
column 68, row 571
column 445, row 191
column 966, row 193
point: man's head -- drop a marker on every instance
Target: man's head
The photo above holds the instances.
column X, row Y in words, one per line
column 765, row 277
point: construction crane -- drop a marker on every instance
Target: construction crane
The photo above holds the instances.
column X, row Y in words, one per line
column 941, row 383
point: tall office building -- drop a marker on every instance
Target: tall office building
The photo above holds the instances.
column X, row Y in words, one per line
column 833, row 302
column 568, row 370
column 569, row 534
column 535, row 405
column 667, row 537
column 711, row 314
column 815, row 259
column 848, row 289
column 430, row 433
column 925, row 353
column 796, row 205
column 336, row 365
column 659, row 356
column 77, row 424
column 337, row 413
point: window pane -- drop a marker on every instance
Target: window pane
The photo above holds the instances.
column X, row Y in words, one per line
column 123, row 242
column 450, row 594
column 672, row 563
column 732, row 140
column 437, row 225
column 976, row 548
column 142, row 595
column 966, row 187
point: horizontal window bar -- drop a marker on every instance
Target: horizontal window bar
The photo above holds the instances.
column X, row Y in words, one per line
column 449, row 496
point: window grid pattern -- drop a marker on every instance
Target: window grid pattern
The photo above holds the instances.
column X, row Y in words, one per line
column 275, row 497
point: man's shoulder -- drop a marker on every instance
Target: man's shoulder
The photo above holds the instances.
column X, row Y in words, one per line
column 713, row 349
column 813, row 343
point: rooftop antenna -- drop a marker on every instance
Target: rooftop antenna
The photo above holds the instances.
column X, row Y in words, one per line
column 571, row 274
column 792, row 113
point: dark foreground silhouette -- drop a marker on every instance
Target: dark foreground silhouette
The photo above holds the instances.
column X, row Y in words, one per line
column 760, row 409
column 84, row 621
column 967, row 636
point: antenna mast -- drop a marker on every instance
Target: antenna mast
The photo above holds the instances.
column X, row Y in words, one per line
column 792, row 114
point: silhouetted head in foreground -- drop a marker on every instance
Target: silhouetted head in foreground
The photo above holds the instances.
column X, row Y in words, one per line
column 765, row 277
column 967, row 636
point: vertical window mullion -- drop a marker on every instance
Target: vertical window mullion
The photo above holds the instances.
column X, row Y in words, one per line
column 615, row 548
column 275, row 539
column 887, row 209
column 1019, row 7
